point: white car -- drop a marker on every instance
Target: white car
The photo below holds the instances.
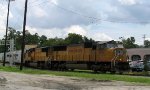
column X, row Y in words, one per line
column 137, row 65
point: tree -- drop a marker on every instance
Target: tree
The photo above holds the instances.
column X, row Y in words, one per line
column 129, row 43
column 11, row 33
column 2, row 48
column 146, row 60
column 43, row 39
column 54, row 41
column 32, row 39
column 74, row 38
column 16, row 35
column 85, row 39
column 146, row 43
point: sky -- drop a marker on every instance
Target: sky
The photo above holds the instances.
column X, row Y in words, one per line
column 101, row 20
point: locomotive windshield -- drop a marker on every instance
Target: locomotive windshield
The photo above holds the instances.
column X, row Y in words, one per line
column 110, row 44
column 114, row 45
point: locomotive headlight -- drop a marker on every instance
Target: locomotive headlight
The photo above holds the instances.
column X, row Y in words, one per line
column 119, row 52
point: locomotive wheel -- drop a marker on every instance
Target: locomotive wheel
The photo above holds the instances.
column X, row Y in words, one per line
column 60, row 67
column 94, row 68
column 112, row 72
column 103, row 71
column 72, row 69
column 95, row 71
column 121, row 72
column 27, row 63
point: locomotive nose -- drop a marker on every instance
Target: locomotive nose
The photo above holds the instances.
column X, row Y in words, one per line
column 119, row 52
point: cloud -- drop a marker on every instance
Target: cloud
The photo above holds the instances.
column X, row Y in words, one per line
column 100, row 37
column 128, row 2
column 54, row 1
column 147, row 39
column 59, row 17
column 62, row 33
column 3, row 13
column 76, row 29
column 128, row 11
column 31, row 30
column 39, row 13
column 65, row 13
column 54, row 13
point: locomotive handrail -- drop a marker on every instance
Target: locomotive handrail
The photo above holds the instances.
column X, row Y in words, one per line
column 113, row 64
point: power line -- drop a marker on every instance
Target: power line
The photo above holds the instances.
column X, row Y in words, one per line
column 89, row 17
column 29, row 3
column 17, row 18
column 74, row 12
column 94, row 18
column 65, row 10
column 15, row 22
column 2, row 4
column 144, row 37
column 38, row 3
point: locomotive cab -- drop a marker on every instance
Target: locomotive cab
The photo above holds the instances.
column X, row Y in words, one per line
column 112, row 55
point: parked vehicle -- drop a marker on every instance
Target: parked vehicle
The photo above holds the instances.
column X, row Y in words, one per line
column 137, row 65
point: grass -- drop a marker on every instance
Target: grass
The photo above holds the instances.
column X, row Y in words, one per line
column 126, row 78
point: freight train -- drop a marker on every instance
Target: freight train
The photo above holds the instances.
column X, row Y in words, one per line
column 106, row 56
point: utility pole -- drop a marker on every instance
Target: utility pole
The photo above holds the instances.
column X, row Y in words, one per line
column 6, row 32
column 23, row 39
column 144, row 36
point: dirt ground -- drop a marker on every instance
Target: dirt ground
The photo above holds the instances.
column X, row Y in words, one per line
column 17, row 81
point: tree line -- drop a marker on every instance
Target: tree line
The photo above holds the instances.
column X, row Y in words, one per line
column 72, row 38
column 41, row 41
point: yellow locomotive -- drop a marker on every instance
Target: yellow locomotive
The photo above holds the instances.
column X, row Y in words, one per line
column 98, row 56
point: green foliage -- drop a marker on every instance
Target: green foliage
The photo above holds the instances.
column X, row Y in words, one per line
column 146, row 68
column 87, row 75
column 32, row 39
column 16, row 35
column 43, row 39
column 74, row 38
column 1, row 48
column 35, row 39
column 147, row 44
column 11, row 33
column 54, row 41
column 129, row 43
column 146, row 60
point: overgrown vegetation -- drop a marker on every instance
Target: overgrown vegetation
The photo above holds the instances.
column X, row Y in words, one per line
column 41, row 41
column 89, row 75
column 72, row 38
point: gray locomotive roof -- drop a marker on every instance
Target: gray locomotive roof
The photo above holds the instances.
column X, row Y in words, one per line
column 103, row 42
